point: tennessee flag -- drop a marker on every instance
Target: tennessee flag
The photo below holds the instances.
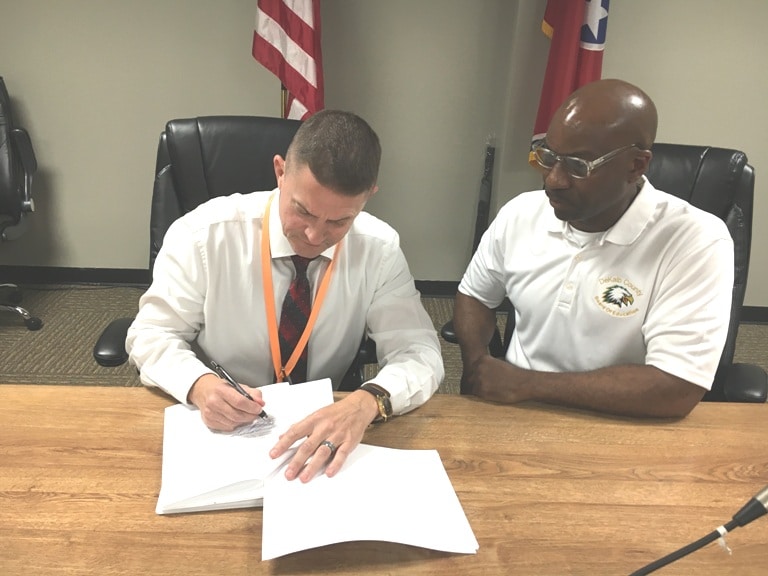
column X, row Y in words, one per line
column 286, row 40
column 577, row 29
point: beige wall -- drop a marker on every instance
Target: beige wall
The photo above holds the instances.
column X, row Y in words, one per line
column 431, row 77
column 95, row 80
column 703, row 63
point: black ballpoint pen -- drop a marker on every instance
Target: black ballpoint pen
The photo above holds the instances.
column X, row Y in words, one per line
column 231, row 381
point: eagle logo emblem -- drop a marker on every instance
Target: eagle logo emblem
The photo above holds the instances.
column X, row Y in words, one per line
column 618, row 295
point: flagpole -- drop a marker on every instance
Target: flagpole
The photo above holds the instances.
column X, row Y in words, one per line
column 283, row 100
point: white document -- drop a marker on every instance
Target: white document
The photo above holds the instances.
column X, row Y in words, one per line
column 424, row 510
column 206, row 470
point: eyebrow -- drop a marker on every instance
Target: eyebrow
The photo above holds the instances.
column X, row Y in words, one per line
column 334, row 221
column 578, row 154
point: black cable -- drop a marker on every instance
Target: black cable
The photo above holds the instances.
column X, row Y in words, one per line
column 752, row 510
column 684, row 551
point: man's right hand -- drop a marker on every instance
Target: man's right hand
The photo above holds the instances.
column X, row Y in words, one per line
column 221, row 406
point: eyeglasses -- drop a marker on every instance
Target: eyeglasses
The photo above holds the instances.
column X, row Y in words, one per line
column 576, row 167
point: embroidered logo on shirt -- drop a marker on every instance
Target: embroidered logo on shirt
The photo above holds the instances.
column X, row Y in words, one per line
column 617, row 296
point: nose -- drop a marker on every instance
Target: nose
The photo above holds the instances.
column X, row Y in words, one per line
column 315, row 234
column 557, row 177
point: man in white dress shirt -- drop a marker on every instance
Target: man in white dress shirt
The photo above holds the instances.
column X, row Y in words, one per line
column 209, row 298
column 622, row 293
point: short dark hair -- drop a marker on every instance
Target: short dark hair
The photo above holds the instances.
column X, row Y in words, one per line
column 341, row 150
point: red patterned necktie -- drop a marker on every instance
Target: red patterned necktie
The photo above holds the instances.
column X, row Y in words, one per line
column 293, row 318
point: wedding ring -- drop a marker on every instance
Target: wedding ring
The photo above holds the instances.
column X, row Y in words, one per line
column 331, row 446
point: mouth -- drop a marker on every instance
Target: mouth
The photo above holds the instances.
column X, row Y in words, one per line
column 320, row 246
column 556, row 201
column 307, row 249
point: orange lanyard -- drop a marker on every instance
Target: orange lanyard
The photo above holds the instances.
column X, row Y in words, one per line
column 281, row 371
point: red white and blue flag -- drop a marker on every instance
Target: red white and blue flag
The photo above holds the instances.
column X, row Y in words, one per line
column 577, row 29
column 286, row 40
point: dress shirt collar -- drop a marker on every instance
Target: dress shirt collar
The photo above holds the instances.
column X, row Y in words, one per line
column 279, row 245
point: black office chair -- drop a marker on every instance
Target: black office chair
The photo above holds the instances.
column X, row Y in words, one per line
column 722, row 182
column 199, row 159
column 17, row 166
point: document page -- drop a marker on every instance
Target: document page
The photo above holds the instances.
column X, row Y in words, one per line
column 207, row 470
column 423, row 507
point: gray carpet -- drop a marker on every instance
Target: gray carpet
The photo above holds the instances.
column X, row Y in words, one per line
column 74, row 316
column 61, row 353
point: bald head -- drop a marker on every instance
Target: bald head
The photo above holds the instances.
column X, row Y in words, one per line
column 611, row 111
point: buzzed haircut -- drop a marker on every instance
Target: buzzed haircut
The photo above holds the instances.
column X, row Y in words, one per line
column 340, row 148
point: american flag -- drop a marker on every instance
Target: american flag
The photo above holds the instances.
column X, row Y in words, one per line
column 286, row 41
column 577, row 29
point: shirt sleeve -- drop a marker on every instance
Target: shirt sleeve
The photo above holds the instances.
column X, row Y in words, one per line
column 170, row 316
column 688, row 320
column 484, row 278
column 407, row 348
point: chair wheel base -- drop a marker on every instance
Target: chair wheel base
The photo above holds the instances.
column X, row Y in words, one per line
column 32, row 322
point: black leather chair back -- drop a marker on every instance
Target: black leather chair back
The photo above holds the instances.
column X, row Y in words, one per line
column 9, row 167
column 719, row 181
column 201, row 158
column 17, row 165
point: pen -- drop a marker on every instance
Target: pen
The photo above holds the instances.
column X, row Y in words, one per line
column 231, row 381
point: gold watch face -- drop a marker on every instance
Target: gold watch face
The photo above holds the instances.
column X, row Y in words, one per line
column 382, row 400
column 382, row 408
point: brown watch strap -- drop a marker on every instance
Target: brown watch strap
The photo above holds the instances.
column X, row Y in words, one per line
column 382, row 400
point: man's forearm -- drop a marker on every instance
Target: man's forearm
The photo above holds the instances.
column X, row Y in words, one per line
column 474, row 324
column 629, row 390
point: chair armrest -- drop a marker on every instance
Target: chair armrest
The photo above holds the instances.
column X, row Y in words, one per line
column 448, row 334
column 110, row 347
column 495, row 346
column 23, row 146
column 355, row 375
column 745, row 383
column 367, row 352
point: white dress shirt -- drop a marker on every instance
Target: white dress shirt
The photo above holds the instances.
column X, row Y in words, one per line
column 206, row 301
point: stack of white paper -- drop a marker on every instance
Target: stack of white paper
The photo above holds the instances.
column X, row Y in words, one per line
column 424, row 510
column 206, row 470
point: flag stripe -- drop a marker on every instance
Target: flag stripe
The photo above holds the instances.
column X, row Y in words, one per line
column 276, row 21
column 286, row 40
column 295, row 82
column 289, row 50
column 296, row 110
column 302, row 9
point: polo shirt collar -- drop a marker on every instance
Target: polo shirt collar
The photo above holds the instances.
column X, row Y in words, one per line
column 629, row 226
column 635, row 219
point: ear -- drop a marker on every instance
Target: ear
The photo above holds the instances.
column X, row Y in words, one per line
column 640, row 164
column 279, row 164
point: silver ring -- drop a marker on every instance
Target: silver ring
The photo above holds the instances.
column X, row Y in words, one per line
column 331, row 446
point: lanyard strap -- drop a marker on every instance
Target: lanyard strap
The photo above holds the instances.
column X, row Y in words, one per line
column 281, row 372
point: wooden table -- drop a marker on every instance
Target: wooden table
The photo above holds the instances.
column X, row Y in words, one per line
column 547, row 491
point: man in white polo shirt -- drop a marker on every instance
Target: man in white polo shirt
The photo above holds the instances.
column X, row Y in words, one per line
column 621, row 292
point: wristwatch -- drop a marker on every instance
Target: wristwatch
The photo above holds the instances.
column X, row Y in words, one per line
column 382, row 400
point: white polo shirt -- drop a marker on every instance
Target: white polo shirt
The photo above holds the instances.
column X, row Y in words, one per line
column 653, row 289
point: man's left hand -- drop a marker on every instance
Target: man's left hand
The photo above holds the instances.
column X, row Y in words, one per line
column 496, row 380
column 342, row 424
